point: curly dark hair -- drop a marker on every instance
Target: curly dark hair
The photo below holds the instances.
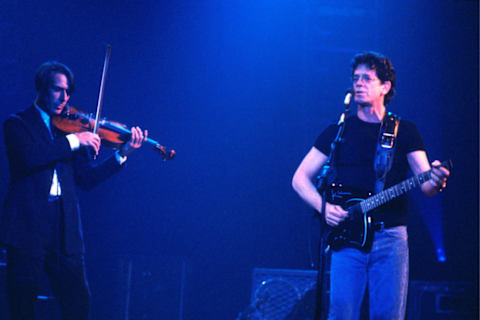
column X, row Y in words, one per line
column 382, row 66
column 44, row 76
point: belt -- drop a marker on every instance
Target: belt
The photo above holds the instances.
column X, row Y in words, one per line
column 382, row 225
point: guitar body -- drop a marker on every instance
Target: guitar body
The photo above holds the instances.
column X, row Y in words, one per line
column 356, row 230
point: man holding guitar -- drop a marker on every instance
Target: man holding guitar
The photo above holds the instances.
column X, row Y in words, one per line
column 382, row 264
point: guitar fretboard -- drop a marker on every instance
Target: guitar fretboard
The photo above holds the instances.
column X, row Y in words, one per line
column 393, row 192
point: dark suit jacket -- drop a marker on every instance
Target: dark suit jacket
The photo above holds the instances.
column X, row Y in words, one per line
column 32, row 156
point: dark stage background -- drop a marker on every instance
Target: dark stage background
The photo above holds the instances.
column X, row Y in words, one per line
column 240, row 89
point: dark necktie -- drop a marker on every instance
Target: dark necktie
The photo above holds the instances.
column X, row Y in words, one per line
column 53, row 130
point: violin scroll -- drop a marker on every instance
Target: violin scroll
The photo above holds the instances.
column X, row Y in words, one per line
column 166, row 155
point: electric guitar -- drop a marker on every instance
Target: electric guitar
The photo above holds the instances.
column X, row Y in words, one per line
column 356, row 230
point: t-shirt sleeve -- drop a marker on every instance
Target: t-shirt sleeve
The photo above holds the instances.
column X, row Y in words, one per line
column 410, row 136
column 325, row 139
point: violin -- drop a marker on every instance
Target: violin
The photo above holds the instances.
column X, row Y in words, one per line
column 112, row 133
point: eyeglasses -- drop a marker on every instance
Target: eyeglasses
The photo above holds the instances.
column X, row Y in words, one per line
column 365, row 77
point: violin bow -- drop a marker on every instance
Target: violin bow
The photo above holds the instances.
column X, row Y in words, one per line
column 102, row 87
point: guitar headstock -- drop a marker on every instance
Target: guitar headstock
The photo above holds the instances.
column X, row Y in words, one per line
column 166, row 154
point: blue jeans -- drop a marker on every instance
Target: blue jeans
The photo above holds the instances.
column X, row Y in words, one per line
column 384, row 269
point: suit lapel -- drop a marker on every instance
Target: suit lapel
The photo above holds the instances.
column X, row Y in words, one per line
column 33, row 117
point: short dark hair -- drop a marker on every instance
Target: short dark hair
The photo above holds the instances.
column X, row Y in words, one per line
column 44, row 76
column 382, row 66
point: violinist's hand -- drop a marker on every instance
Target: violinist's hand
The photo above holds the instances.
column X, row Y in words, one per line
column 89, row 139
column 137, row 139
column 334, row 214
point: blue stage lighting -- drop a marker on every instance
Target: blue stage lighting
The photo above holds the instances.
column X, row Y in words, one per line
column 441, row 257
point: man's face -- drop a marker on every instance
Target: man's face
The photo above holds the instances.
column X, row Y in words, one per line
column 368, row 89
column 55, row 97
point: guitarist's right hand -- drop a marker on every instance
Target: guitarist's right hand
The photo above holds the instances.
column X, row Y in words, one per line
column 334, row 214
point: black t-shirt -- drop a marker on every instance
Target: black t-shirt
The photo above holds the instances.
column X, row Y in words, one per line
column 355, row 161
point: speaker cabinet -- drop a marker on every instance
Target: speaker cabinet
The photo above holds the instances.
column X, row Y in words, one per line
column 442, row 301
column 276, row 293
column 3, row 282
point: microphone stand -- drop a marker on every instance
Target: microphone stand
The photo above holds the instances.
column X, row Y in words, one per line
column 324, row 181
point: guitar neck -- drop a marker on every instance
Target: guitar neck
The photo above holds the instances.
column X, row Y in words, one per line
column 393, row 192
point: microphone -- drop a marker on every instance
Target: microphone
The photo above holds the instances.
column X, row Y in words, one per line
column 348, row 97
column 346, row 102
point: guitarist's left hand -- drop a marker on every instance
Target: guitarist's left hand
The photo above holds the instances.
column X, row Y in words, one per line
column 419, row 163
column 439, row 176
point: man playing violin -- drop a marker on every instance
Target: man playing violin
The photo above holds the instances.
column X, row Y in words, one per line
column 40, row 225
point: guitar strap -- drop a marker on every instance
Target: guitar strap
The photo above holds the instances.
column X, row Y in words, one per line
column 385, row 149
